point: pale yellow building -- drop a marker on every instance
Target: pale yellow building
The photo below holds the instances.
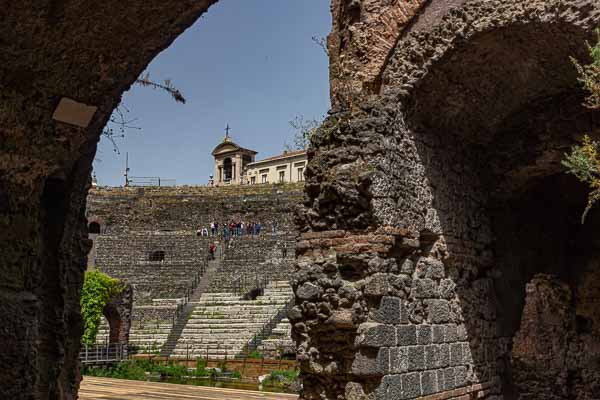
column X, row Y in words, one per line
column 284, row 168
column 235, row 165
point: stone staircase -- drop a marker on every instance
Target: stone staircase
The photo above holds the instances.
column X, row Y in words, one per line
column 222, row 324
column 182, row 320
column 279, row 343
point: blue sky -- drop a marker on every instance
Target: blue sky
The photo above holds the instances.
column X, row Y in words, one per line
column 248, row 63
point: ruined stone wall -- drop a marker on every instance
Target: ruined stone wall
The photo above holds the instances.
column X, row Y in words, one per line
column 131, row 258
column 191, row 207
column 403, row 269
column 136, row 224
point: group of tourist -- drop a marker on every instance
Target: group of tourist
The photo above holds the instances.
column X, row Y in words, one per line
column 235, row 228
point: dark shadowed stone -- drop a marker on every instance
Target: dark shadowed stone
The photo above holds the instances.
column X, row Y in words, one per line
column 460, row 376
column 383, row 360
column 424, row 289
column 308, row 291
column 366, row 364
column 447, row 289
column 451, row 333
column 456, row 354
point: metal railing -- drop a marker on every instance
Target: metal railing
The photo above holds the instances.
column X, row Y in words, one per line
column 189, row 291
column 142, row 181
column 268, row 327
column 103, row 354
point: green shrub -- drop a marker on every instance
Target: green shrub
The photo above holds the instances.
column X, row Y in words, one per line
column 255, row 354
column 98, row 289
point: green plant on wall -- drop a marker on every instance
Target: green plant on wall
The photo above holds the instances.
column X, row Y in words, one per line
column 98, row 290
column 584, row 159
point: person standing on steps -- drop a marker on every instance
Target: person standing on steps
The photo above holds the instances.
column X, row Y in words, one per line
column 211, row 251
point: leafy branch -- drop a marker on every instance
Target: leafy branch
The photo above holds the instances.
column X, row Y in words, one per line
column 98, row 290
column 584, row 159
column 119, row 123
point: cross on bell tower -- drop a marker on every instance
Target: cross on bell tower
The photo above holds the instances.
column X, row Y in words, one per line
column 227, row 131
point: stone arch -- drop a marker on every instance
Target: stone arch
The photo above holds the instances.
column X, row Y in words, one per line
column 486, row 103
column 118, row 315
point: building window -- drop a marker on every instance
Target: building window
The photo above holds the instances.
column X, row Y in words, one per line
column 300, row 174
column 281, row 176
column 157, row 255
column 253, row 180
column 264, row 179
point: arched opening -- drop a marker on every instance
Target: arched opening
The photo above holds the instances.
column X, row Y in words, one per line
column 227, row 170
column 493, row 118
column 156, row 255
column 43, row 289
column 118, row 316
column 94, row 228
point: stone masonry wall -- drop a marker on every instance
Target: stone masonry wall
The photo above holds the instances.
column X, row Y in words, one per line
column 139, row 223
column 251, row 262
column 399, row 269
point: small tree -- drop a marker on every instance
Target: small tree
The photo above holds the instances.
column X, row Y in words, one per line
column 303, row 131
column 584, row 159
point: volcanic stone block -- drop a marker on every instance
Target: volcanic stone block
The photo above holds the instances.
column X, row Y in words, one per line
column 411, row 385
column 460, row 376
column 424, row 334
column 376, row 335
column 456, row 354
column 407, row 335
column 398, row 360
column 432, row 356
column 451, row 333
column 439, row 311
column 429, row 382
column 416, row 358
column 444, row 350
column 366, row 363
column 391, row 311
column 424, row 289
column 449, row 379
column 439, row 333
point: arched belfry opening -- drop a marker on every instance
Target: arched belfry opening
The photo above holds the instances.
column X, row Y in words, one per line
column 228, row 170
